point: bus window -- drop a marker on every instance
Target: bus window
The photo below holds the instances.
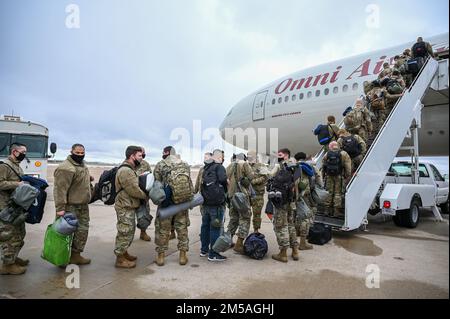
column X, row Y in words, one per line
column 36, row 145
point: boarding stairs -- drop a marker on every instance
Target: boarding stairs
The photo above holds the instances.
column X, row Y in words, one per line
column 384, row 145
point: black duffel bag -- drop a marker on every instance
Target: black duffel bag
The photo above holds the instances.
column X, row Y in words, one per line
column 319, row 234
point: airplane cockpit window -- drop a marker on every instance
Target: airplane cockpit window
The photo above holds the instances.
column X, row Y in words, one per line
column 355, row 86
column 345, row 88
column 317, row 92
column 326, row 91
column 229, row 113
column 309, row 94
column 294, row 97
column 335, row 90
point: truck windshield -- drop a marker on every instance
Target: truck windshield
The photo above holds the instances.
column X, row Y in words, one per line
column 404, row 169
column 36, row 145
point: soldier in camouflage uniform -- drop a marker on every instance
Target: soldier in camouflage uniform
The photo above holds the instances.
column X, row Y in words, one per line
column 356, row 160
column 259, row 182
column 128, row 199
column 335, row 184
column 284, row 217
column 303, row 190
column 386, row 72
column 11, row 236
column 181, row 220
column 144, row 167
column 361, row 122
column 377, row 101
column 72, row 193
column 240, row 175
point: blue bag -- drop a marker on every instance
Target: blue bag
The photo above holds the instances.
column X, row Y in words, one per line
column 255, row 246
column 307, row 169
column 36, row 210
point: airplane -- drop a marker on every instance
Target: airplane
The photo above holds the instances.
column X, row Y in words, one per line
column 297, row 103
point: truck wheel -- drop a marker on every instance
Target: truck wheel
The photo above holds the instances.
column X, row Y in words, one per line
column 398, row 218
column 444, row 207
column 411, row 216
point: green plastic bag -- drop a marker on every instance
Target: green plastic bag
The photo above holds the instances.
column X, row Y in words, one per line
column 57, row 247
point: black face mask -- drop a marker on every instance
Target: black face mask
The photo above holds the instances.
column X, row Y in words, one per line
column 21, row 157
column 143, row 156
column 165, row 156
column 280, row 159
column 77, row 158
column 136, row 162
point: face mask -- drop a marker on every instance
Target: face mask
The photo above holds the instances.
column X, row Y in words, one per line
column 136, row 162
column 77, row 158
column 21, row 157
column 165, row 156
column 143, row 156
column 280, row 159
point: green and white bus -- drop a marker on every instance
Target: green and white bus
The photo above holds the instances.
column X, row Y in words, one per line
column 34, row 136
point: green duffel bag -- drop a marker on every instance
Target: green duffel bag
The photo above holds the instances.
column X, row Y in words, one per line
column 57, row 247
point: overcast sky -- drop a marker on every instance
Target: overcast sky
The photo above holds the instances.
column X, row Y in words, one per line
column 135, row 70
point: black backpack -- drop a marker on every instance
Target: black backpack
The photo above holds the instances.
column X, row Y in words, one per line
column 213, row 193
column 106, row 188
column 282, row 182
column 414, row 65
column 333, row 164
column 351, row 146
column 419, row 50
column 255, row 246
column 319, row 234
column 323, row 134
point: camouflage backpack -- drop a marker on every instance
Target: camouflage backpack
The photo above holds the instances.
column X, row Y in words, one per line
column 354, row 119
column 179, row 181
column 376, row 99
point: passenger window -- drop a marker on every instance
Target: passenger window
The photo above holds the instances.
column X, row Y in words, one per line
column 273, row 101
column 326, row 91
column 309, row 94
column 335, row 90
column 286, row 98
column 294, row 97
column 317, row 92
column 301, row 96
column 355, row 86
column 345, row 88
column 280, row 99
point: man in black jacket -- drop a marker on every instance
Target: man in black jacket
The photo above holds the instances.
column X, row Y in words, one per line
column 213, row 187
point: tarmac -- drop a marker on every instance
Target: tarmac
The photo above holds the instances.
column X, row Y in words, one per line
column 409, row 263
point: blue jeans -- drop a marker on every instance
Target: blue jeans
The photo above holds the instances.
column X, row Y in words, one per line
column 209, row 231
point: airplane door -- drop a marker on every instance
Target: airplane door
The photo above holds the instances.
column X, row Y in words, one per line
column 259, row 106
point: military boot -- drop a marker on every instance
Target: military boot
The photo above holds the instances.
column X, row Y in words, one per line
column 183, row 258
column 304, row 244
column 160, row 259
column 13, row 269
column 144, row 236
column 282, row 256
column 77, row 259
column 295, row 252
column 122, row 262
column 239, row 247
column 129, row 257
column 172, row 235
column 22, row 262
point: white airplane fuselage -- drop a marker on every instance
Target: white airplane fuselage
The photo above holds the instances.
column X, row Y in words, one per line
column 297, row 103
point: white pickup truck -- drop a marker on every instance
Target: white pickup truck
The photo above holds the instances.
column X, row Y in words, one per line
column 401, row 198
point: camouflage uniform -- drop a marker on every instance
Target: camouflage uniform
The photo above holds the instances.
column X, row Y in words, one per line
column 259, row 185
column 390, row 99
column 11, row 236
column 180, row 221
column 284, row 223
column 141, row 169
column 335, row 185
column 363, row 122
column 239, row 223
column 128, row 199
column 72, row 193
column 380, row 114
column 357, row 159
column 303, row 191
